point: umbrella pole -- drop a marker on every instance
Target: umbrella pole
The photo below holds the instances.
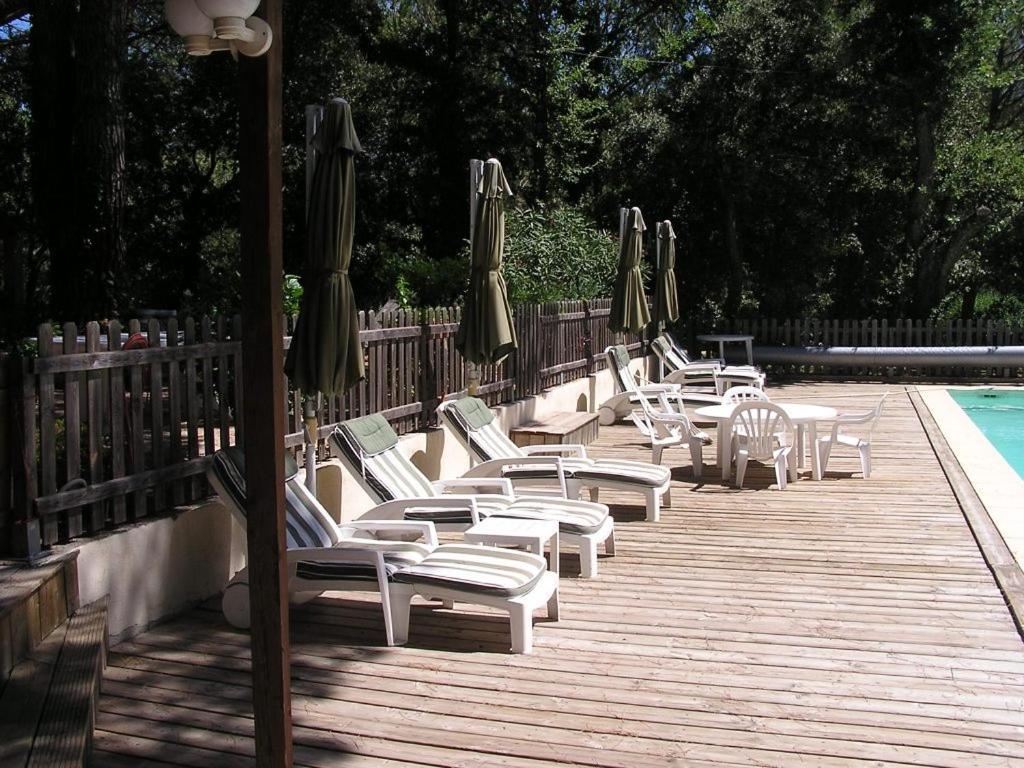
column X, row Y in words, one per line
column 659, row 327
column 476, row 172
column 620, row 337
column 310, row 409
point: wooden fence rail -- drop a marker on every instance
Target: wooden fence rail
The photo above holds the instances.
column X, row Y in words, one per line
column 109, row 424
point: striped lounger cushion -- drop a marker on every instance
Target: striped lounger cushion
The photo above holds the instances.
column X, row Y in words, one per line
column 370, row 444
column 304, row 528
column 474, row 569
column 475, row 423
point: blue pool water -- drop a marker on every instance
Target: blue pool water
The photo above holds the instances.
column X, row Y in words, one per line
column 999, row 415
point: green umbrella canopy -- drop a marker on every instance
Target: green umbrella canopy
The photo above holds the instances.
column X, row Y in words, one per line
column 666, row 296
column 629, row 304
column 325, row 355
column 486, row 333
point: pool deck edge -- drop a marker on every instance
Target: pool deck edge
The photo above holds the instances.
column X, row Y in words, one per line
column 969, row 465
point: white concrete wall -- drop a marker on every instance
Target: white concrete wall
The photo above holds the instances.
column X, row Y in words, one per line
column 157, row 568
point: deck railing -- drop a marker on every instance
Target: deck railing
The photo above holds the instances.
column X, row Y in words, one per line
column 100, row 435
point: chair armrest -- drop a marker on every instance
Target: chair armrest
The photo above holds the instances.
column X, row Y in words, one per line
column 395, row 510
column 503, row 485
column 855, row 418
column 574, row 448
column 495, row 467
column 424, row 528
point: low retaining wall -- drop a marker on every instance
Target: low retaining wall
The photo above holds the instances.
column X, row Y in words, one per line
column 165, row 565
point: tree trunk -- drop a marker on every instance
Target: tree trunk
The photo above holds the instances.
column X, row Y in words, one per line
column 78, row 151
column 99, row 147
column 52, row 102
column 734, row 285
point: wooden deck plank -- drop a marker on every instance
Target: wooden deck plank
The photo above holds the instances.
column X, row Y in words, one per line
column 840, row 623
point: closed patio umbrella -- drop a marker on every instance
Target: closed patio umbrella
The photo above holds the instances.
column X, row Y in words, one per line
column 325, row 355
column 486, row 333
column 629, row 304
column 666, row 296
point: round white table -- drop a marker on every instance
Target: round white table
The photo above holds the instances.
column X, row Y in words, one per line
column 802, row 416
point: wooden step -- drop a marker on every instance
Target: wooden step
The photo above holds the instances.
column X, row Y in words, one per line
column 34, row 600
column 48, row 707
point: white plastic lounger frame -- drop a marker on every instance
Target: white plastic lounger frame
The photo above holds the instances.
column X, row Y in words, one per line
column 351, row 559
column 839, row 437
column 629, row 394
column 495, row 455
column 762, row 431
column 388, row 472
column 706, row 373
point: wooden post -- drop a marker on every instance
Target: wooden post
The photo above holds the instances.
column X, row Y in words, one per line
column 262, row 342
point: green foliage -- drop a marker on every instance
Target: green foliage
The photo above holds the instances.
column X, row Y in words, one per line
column 556, row 253
column 291, row 294
column 853, row 158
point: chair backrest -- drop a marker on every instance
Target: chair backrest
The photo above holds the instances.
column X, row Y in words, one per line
column 369, row 447
column 475, row 425
column 876, row 415
column 307, row 523
column 678, row 348
column 744, row 394
column 762, row 424
column 618, row 363
column 668, row 354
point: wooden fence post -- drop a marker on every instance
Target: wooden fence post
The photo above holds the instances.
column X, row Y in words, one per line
column 26, row 540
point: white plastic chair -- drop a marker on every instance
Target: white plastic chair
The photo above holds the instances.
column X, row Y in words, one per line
column 762, row 431
column 667, row 428
column 862, row 444
column 744, row 394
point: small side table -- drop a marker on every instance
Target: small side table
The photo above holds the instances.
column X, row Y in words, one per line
column 730, row 338
column 517, row 532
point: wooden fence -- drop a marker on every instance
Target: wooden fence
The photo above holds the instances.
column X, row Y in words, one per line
column 101, row 435
column 817, row 332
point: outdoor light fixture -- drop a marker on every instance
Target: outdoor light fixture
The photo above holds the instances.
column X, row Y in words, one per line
column 219, row 25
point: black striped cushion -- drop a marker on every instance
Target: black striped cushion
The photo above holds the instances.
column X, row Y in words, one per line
column 388, row 472
column 474, row 569
column 355, row 571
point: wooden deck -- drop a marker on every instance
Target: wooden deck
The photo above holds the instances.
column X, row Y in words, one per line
column 841, row 623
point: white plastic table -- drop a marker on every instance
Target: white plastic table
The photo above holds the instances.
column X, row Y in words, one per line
column 517, row 532
column 730, row 338
column 802, row 416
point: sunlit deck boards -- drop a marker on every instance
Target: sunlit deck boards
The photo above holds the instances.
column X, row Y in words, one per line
column 846, row 622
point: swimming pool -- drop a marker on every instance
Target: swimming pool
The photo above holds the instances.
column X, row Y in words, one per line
column 999, row 414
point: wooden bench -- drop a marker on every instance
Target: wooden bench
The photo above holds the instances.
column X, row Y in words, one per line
column 557, row 428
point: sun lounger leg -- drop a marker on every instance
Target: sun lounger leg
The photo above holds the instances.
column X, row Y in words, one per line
column 595, row 494
column 588, row 558
column 401, row 599
column 653, row 505
column 609, row 544
column 235, row 602
column 521, row 622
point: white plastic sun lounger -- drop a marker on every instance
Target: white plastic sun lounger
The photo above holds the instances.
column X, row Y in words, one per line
column 702, row 373
column 629, row 394
column 358, row 556
column 495, row 455
column 368, row 446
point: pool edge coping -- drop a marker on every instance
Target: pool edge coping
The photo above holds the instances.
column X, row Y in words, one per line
column 1005, row 567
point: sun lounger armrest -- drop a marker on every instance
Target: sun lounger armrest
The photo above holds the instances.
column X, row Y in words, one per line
column 654, row 389
column 424, row 528
column 495, row 467
column 580, row 451
column 503, row 485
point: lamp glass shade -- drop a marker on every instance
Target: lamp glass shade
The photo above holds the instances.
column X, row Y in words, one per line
column 219, row 9
column 186, row 19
